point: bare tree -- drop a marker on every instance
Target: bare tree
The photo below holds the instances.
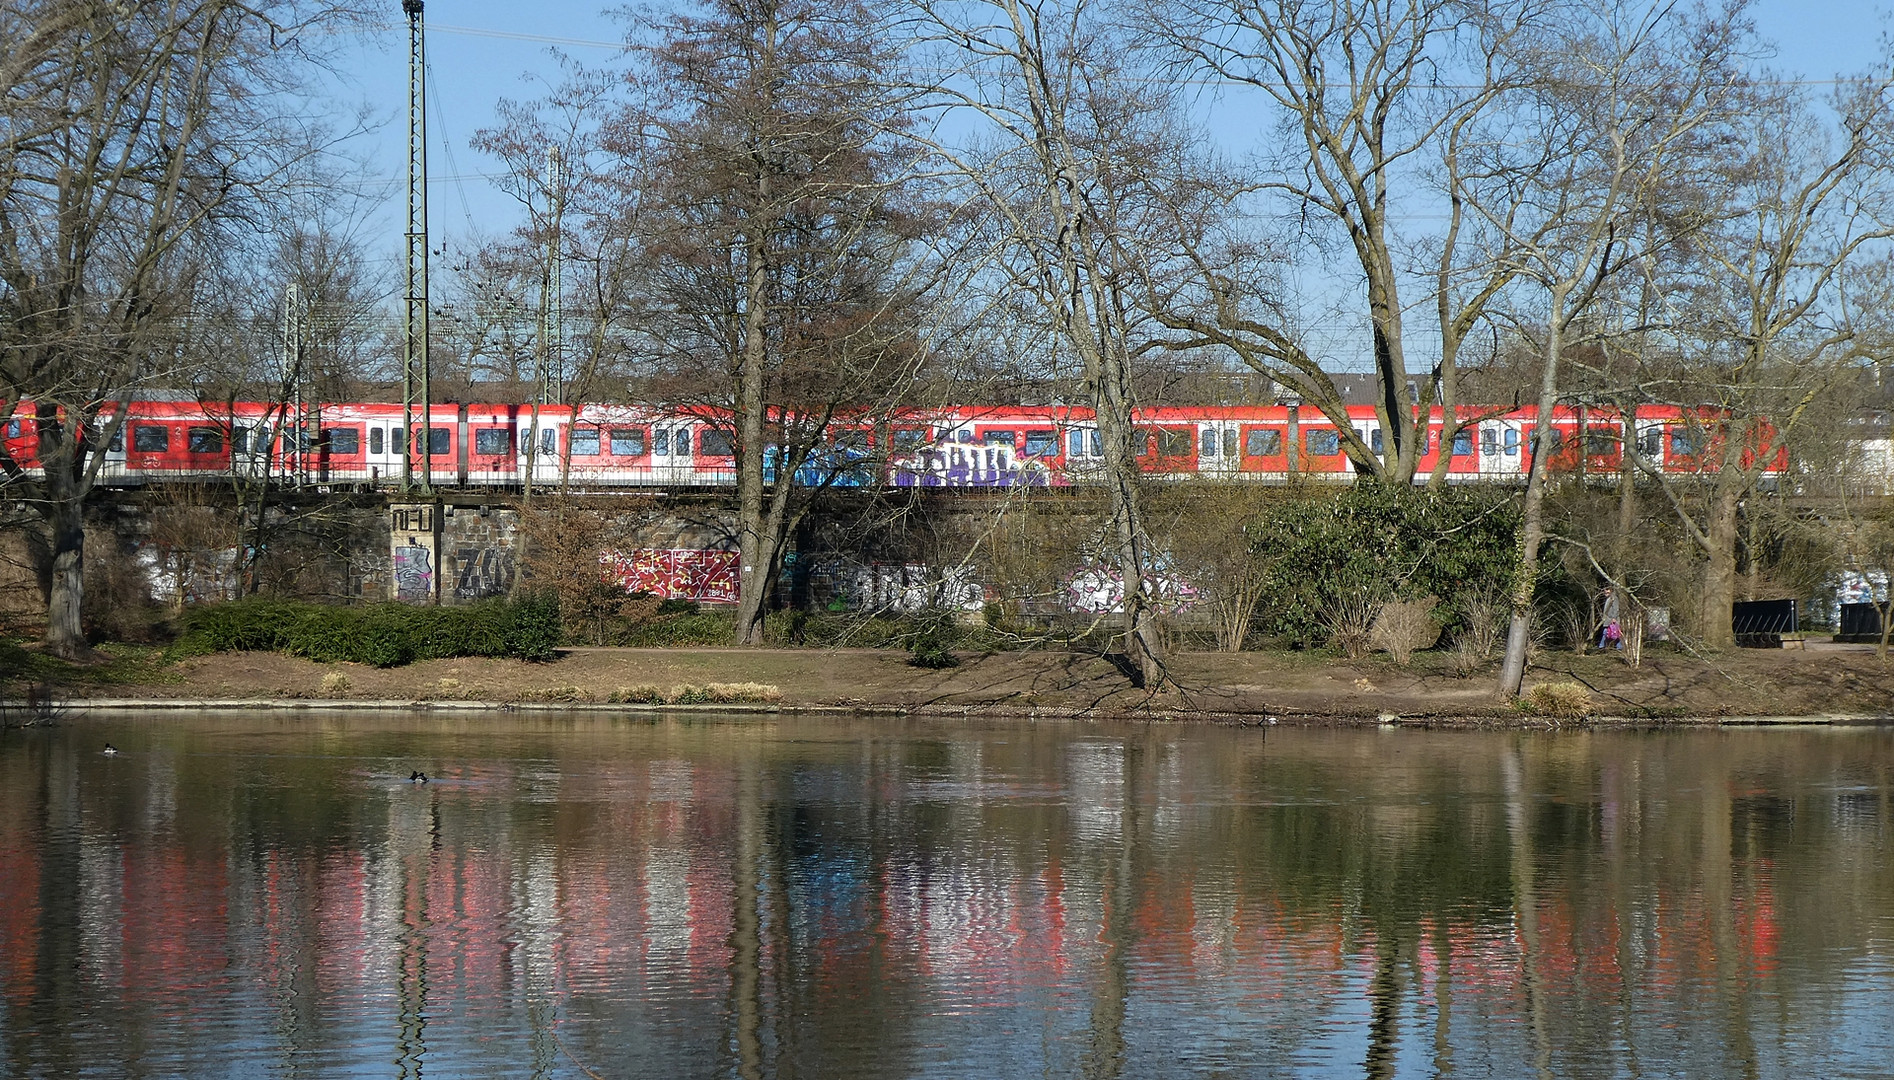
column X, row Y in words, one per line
column 1374, row 102
column 1076, row 165
column 1620, row 127
column 1769, row 309
column 140, row 139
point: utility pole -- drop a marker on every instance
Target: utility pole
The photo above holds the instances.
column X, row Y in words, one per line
column 551, row 371
column 552, row 379
column 292, row 424
column 414, row 360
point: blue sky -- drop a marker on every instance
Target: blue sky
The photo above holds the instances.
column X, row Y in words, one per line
column 481, row 51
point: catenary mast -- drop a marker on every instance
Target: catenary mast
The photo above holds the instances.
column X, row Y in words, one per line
column 414, row 360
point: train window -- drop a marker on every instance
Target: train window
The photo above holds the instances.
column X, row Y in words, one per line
column 1321, row 442
column 549, row 442
column 1175, row 442
column 117, row 445
column 627, row 442
column 1041, row 443
column 1512, row 442
column 1682, row 443
column 1229, row 442
column 714, row 443
column 1599, row 440
column 1263, row 442
column 1210, row 443
column 375, row 445
column 661, row 443
column 151, row 439
column 13, row 428
column 910, row 438
column 1375, row 442
column 1462, row 442
column 204, row 440
column 439, row 441
column 1075, row 444
column 681, row 442
column 1489, row 443
column 492, row 440
column 343, row 440
column 999, row 437
column 1650, row 442
column 584, row 442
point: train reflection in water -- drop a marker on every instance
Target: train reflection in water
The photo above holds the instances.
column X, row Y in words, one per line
column 842, row 898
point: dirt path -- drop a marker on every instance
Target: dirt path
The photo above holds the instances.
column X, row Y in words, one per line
column 1819, row 680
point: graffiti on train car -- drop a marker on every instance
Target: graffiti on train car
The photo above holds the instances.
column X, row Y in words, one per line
column 953, row 465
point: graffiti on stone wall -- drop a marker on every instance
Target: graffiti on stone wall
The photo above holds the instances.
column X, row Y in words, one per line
column 411, row 535
column 1098, row 589
column 846, row 585
column 708, row 577
column 483, row 572
column 190, row 577
column 414, row 573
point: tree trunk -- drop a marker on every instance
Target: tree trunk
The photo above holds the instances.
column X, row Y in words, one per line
column 1719, row 573
column 1111, row 392
column 1512, row 671
column 1627, row 496
column 65, row 518
column 756, row 550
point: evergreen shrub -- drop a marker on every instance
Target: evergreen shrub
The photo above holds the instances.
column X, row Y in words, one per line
column 1363, row 546
column 384, row 635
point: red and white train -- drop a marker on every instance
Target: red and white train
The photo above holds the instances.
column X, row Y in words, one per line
column 641, row 446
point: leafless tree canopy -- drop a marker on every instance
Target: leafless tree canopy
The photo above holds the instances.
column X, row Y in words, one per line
column 144, row 144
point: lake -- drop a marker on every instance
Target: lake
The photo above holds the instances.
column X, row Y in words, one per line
column 724, row 896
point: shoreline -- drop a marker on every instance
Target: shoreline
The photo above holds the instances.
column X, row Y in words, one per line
column 1814, row 687
column 1422, row 721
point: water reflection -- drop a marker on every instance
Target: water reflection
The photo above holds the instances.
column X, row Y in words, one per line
column 850, row 898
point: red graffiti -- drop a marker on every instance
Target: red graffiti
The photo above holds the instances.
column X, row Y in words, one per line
column 675, row 574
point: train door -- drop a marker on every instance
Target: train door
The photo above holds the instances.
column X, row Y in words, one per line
column 383, row 458
column 1084, row 451
column 1217, row 450
column 539, row 448
column 112, row 472
column 250, row 447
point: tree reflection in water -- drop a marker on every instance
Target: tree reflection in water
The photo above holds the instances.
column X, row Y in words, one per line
column 773, row 898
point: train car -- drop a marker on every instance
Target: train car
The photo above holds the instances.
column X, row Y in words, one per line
column 632, row 446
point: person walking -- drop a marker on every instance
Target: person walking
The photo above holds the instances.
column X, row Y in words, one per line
column 1611, row 632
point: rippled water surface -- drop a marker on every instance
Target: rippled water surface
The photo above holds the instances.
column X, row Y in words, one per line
column 819, row 898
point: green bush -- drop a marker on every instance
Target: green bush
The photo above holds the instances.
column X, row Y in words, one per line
column 1376, row 542
column 385, row 635
column 679, row 631
column 932, row 642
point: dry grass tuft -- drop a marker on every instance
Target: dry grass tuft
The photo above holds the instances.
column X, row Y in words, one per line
column 693, row 694
column 744, row 691
column 1403, row 626
column 336, row 683
column 1563, row 700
